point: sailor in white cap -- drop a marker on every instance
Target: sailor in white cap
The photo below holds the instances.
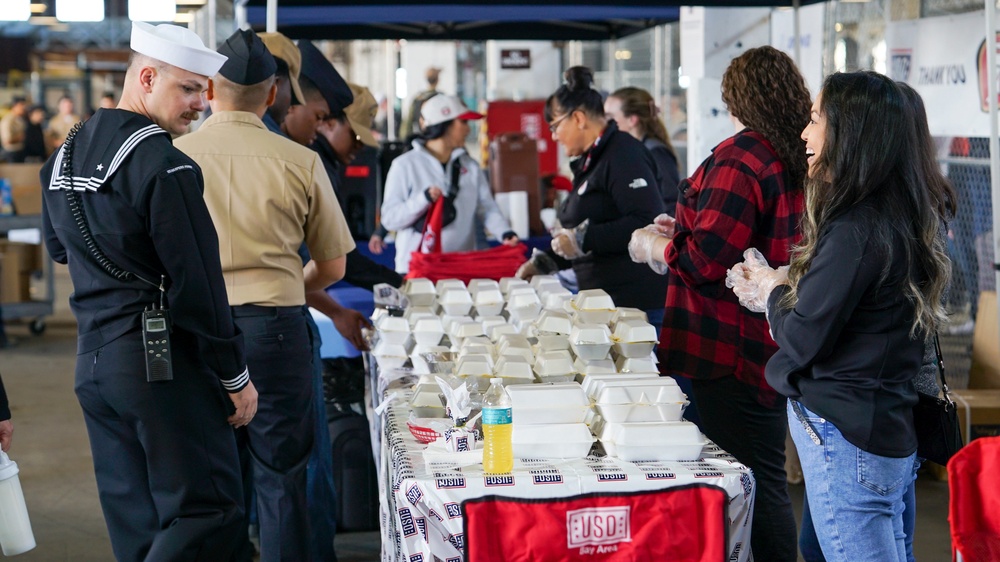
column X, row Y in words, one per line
column 161, row 374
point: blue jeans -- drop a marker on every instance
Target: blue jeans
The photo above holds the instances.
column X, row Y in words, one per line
column 855, row 497
column 809, row 543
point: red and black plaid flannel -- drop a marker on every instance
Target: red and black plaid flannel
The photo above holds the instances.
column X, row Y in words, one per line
column 738, row 198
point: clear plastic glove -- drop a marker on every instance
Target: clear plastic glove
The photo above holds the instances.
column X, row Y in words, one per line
column 752, row 280
column 646, row 245
column 665, row 224
column 568, row 242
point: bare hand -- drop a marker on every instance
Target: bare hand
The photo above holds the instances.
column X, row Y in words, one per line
column 434, row 193
column 512, row 241
column 6, row 431
column 526, row 271
column 349, row 323
column 376, row 244
column 246, row 405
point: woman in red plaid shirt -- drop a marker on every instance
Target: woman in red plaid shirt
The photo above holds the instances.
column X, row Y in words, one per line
column 747, row 194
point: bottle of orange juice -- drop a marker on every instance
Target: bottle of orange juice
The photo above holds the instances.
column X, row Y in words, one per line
column 498, row 451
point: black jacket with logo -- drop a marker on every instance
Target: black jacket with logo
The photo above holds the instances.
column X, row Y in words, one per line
column 614, row 185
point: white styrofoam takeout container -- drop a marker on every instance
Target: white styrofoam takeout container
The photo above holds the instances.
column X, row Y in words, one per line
column 593, row 306
column 548, row 403
column 592, row 383
column 419, row 291
column 551, row 322
column 508, row 283
column 656, row 441
column 636, row 365
column 594, row 366
column 634, row 338
column 455, row 301
column 590, row 341
column 629, row 401
column 513, row 369
column 428, row 331
column 555, row 366
column 551, row 441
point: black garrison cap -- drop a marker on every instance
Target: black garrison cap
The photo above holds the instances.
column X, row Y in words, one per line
column 249, row 60
column 321, row 72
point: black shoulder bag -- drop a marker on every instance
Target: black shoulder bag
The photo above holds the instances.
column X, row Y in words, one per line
column 936, row 420
column 449, row 200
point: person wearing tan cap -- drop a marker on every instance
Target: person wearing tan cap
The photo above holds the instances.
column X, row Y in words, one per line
column 252, row 178
column 286, row 78
column 124, row 208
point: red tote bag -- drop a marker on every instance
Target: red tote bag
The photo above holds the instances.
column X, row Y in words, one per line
column 431, row 263
column 683, row 524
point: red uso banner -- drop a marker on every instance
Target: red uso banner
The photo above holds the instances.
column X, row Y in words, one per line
column 683, row 524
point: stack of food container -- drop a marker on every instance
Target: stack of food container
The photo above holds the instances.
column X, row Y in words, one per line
column 549, row 421
column 539, row 332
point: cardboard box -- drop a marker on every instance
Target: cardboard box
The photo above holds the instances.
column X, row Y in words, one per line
column 26, row 187
column 978, row 415
column 18, row 262
column 985, row 370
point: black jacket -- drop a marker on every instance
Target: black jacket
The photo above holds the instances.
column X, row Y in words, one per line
column 146, row 211
column 667, row 173
column 614, row 185
column 845, row 350
column 359, row 270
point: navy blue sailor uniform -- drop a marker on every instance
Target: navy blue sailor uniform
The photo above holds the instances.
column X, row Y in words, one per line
column 164, row 454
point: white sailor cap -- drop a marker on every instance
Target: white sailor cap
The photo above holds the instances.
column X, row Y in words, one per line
column 177, row 46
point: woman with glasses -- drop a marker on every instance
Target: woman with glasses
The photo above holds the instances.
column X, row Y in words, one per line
column 614, row 192
column 439, row 166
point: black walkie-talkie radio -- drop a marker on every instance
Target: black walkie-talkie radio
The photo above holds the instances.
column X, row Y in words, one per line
column 156, row 339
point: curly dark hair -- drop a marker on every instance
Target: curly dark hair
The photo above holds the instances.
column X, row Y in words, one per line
column 765, row 91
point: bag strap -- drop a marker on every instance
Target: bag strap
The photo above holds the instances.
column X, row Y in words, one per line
column 940, row 362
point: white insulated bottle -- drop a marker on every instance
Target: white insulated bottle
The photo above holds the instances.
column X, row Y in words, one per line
column 15, row 528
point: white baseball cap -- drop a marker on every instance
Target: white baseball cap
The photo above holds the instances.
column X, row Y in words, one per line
column 441, row 108
column 177, row 46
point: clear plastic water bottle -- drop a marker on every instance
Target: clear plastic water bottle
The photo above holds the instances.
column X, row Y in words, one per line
column 15, row 528
column 498, row 451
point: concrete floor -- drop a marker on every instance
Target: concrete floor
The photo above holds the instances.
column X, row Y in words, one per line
column 51, row 448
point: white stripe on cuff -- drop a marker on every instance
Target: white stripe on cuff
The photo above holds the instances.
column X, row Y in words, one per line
column 238, row 382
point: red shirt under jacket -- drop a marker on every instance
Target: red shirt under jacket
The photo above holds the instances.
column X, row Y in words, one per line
column 738, row 198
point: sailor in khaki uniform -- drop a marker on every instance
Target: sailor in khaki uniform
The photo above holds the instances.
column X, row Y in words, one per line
column 267, row 195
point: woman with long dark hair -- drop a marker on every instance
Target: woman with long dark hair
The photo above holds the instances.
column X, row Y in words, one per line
column 614, row 192
column 746, row 194
column 635, row 112
column 852, row 313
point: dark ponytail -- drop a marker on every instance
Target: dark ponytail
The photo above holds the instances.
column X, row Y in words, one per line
column 576, row 93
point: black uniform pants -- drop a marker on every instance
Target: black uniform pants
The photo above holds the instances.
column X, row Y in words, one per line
column 732, row 418
column 278, row 441
column 165, row 457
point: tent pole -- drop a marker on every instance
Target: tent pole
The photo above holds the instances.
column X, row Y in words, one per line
column 796, row 4
column 390, row 90
column 272, row 16
column 213, row 10
column 991, row 96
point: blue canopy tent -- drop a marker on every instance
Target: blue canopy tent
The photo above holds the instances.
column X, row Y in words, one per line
column 411, row 19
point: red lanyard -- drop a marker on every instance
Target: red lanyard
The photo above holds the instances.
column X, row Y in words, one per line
column 586, row 163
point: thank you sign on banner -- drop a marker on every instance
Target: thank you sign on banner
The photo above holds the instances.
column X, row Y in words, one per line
column 944, row 59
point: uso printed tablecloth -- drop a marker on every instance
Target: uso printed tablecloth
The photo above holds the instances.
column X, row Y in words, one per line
column 421, row 502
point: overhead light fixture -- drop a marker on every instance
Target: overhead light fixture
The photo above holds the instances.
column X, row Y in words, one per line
column 192, row 2
column 38, row 8
column 152, row 10
column 15, row 10
column 80, row 10
column 184, row 17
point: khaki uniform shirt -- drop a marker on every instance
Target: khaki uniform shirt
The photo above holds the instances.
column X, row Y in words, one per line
column 266, row 194
column 59, row 127
column 12, row 128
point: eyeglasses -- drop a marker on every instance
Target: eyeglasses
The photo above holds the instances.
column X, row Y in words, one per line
column 553, row 126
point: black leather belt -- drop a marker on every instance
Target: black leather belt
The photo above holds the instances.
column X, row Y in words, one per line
column 248, row 310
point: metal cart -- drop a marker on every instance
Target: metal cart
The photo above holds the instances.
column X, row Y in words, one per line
column 35, row 309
